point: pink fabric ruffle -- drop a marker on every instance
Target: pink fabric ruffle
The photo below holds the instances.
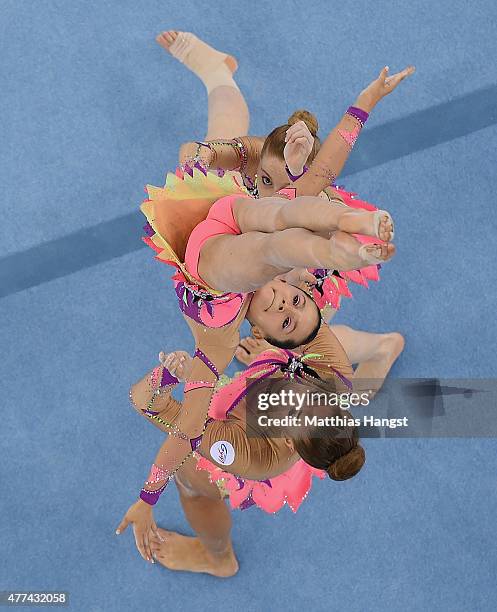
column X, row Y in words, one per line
column 291, row 487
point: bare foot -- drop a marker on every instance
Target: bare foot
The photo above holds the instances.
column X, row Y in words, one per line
column 376, row 253
column 250, row 348
column 179, row 363
column 377, row 223
column 183, row 553
column 195, row 56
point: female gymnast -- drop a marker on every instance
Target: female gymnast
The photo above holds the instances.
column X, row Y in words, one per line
column 281, row 156
column 246, row 461
column 233, row 209
column 228, row 115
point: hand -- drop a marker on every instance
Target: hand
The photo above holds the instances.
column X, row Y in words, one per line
column 382, row 86
column 298, row 276
column 178, row 363
column 299, row 143
column 141, row 516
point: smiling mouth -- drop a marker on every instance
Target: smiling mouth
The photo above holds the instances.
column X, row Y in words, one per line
column 274, row 295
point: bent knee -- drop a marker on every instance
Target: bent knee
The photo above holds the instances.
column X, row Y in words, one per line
column 196, row 486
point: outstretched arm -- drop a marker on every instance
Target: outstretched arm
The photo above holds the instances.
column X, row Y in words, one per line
column 336, row 149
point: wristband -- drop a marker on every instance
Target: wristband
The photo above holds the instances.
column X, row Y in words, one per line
column 151, row 497
column 294, row 177
column 358, row 113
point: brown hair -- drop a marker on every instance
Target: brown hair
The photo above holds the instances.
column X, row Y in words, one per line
column 334, row 448
column 275, row 141
column 338, row 452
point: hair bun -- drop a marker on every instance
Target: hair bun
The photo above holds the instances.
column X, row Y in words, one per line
column 308, row 118
column 347, row 465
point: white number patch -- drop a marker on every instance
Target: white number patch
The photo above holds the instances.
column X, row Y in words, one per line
column 223, row 452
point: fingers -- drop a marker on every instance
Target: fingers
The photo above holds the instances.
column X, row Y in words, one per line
column 148, row 549
column 395, row 79
column 165, row 358
column 303, row 141
column 299, row 127
column 166, row 39
column 301, row 135
column 174, row 362
column 155, row 532
column 142, row 544
column 139, row 544
column 383, row 74
column 122, row 526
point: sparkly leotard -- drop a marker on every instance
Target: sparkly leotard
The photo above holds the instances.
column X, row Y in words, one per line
column 237, row 453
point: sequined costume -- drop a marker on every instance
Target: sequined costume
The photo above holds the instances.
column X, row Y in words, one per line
column 174, row 211
column 238, row 454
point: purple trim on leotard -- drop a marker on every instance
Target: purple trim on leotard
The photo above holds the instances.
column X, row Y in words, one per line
column 149, row 412
column 203, row 357
column 168, row 378
column 189, row 302
column 195, row 442
column 149, row 230
column 241, row 395
column 246, row 503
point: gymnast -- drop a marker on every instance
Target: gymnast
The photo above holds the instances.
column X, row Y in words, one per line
column 175, row 236
column 217, row 213
column 239, row 460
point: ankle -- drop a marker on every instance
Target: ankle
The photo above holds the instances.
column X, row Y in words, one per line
column 226, row 564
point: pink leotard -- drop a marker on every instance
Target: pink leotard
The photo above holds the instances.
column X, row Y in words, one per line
column 220, row 220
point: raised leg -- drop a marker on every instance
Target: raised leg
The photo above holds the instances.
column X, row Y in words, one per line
column 312, row 213
column 223, row 259
column 228, row 114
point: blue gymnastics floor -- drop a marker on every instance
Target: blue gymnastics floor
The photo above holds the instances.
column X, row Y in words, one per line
column 92, row 109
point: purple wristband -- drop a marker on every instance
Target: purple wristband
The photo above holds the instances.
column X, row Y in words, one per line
column 358, row 113
column 295, row 177
column 151, row 497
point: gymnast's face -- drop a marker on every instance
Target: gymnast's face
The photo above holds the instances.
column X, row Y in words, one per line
column 283, row 312
column 271, row 176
